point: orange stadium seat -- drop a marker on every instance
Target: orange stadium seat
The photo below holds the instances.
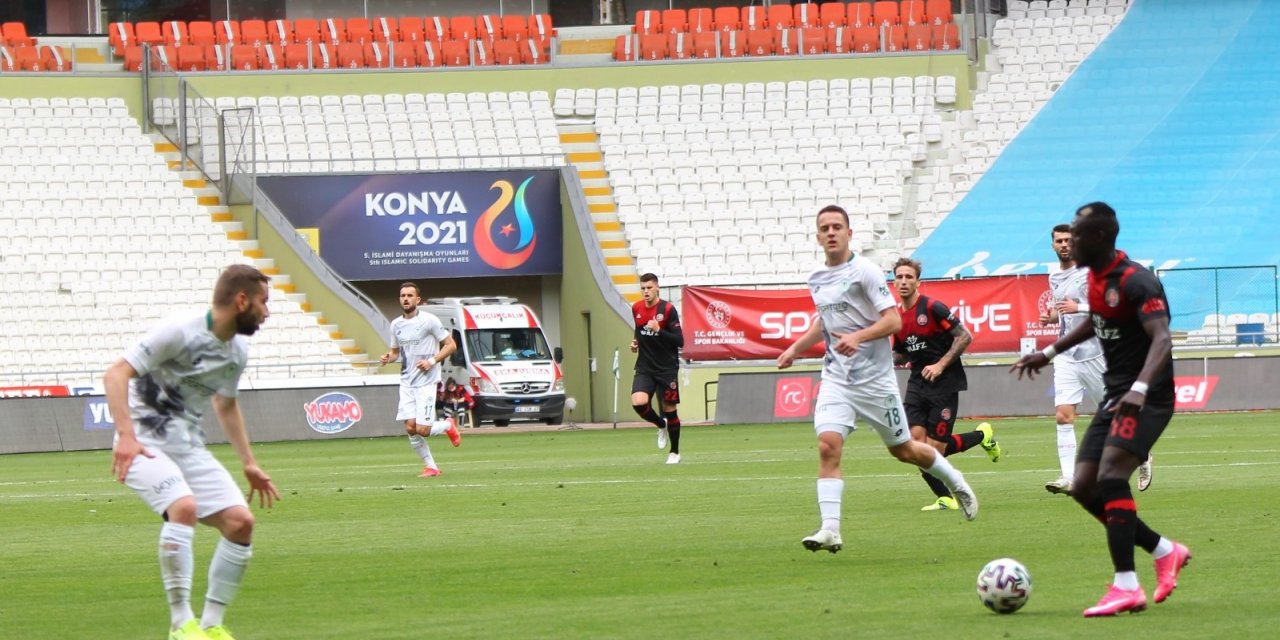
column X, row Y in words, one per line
column 271, row 57
column 332, row 31
column 704, row 44
column 462, row 28
column 726, row 19
column 436, row 28
column 885, row 12
column 515, row 28
column 839, row 40
column 280, row 32
column 806, row 14
column 200, row 33
column 244, row 57
column 533, row 52
column 174, row 32
column 148, row 33
column 323, row 56
column 14, row 34
column 191, row 59
column 428, row 52
column 786, row 42
column 779, row 16
column 624, row 48
column 132, row 58
column 754, row 18
column 540, row 26
column 859, row 15
column 675, row 21
column 163, row 58
column 543, row 45
column 253, row 32
column 648, row 22
column 733, row 44
column 919, row 38
column 489, row 27
column 653, row 47
column 457, row 53
column 483, row 56
column 938, row 11
column 760, row 43
column 895, row 38
column 946, row 36
column 386, row 29
column 306, row 30
column 350, row 56
column 411, row 29
column 21, row 59
column 404, row 54
column 832, row 14
column 121, row 36
column 813, row 41
column 680, row 45
column 215, row 58
column 359, row 31
column 507, row 52
column 376, row 54
column 54, row 59
column 295, row 56
column 227, row 32
column 912, row 12
column 866, row 40
column 701, row 19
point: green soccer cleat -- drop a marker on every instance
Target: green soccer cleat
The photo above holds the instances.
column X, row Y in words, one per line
column 189, row 631
column 219, row 632
column 989, row 443
column 945, row 503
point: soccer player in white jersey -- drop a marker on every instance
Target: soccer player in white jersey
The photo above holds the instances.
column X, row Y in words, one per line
column 856, row 316
column 421, row 343
column 157, row 394
column 1079, row 369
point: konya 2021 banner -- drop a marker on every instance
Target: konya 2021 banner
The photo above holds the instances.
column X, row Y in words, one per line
column 438, row 225
column 746, row 324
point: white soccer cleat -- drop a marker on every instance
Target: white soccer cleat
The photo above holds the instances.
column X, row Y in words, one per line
column 823, row 540
column 1144, row 475
column 662, row 438
column 968, row 501
column 673, row 458
column 1061, row 485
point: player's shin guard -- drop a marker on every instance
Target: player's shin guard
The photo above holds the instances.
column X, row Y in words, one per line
column 176, row 569
column 1143, row 535
column 961, row 442
column 1122, row 521
column 673, row 429
column 226, row 572
column 646, row 411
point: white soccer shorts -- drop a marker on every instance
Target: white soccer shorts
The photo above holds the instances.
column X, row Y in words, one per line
column 162, row 480
column 417, row 404
column 1072, row 379
column 839, row 406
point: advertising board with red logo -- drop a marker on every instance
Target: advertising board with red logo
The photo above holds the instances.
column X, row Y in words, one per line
column 747, row 324
column 333, row 412
column 1193, row 392
column 36, row 391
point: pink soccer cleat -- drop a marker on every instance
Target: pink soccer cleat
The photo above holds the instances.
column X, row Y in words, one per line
column 429, row 472
column 455, row 438
column 1116, row 601
column 1167, row 569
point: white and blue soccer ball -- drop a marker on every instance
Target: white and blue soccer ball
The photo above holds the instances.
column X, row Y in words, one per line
column 1004, row 585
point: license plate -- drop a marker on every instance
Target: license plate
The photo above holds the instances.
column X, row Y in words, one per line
column 527, row 409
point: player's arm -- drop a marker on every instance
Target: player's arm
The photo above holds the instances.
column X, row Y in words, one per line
column 672, row 334
column 1031, row 364
column 447, row 347
column 1153, row 311
column 960, row 336
column 227, row 410
column 115, row 382
column 810, row 337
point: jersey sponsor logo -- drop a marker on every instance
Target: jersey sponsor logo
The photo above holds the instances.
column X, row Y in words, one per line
column 1112, row 298
column 914, row 343
column 333, row 412
column 718, row 314
column 792, row 397
column 1193, row 392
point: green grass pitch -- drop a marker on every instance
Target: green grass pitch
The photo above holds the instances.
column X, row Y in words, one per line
column 586, row 534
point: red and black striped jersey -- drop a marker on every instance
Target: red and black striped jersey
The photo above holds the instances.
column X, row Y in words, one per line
column 659, row 350
column 1122, row 295
column 924, row 338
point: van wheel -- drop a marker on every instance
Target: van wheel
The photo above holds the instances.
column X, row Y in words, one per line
column 501, row 423
column 556, row 420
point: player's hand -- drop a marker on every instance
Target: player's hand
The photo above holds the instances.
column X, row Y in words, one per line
column 653, row 325
column 847, row 343
column 1030, row 365
column 424, row 365
column 386, row 357
column 260, row 483
column 787, row 358
column 635, row 346
column 1129, row 405
column 1067, row 306
column 932, row 372
column 1045, row 319
column 122, row 454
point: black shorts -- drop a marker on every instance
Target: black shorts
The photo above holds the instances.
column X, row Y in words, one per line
column 935, row 412
column 1136, row 437
column 665, row 386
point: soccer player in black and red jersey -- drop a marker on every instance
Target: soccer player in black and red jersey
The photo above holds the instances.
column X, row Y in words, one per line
column 1130, row 316
column 658, row 339
column 932, row 339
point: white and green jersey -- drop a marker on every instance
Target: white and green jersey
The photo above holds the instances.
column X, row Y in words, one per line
column 1073, row 284
column 180, row 366
column 850, row 297
column 418, row 338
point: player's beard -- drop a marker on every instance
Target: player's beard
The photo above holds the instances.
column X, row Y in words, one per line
column 247, row 323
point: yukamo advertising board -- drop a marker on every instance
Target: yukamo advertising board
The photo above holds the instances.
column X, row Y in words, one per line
column 399, row 226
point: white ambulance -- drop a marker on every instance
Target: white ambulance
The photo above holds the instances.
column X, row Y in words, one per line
column 503, row 358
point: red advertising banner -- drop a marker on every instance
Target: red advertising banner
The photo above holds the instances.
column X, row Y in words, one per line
column 1193, row 392
column 746, row 324
column 36, row 391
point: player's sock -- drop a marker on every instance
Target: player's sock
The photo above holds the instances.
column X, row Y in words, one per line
column 226, row 572
column 1127, row 580
column 673, row 429
column 935, row 485
column 176, row 562
column 439, row 426
column 960, row 442
column 646, row 411
column 1162, row 548
column 1143, row 535
column 1122, row 522
column 830, row 491
column 943, row 471
column 1067, row 450
column 420, row 445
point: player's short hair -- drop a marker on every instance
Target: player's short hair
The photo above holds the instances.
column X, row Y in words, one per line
column 235, row 279
column 1101, row 214
column 416, row 290
column 908, row 262
column 835, row 208
column 1062, row 228
column 649, row 277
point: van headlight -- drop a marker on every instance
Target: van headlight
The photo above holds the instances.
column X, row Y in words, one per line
column 558, row 385
column 487, row 386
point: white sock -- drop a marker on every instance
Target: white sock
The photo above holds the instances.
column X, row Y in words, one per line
column 420, row 445
column 1127, row 580
column 1163, row 548
column 226, row 572
column 439, row 426
column 1067, row 450
column 830, row 491
column 176, row 560
column 943, row 471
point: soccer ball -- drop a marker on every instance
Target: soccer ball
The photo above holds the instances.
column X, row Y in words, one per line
column 1004, row 585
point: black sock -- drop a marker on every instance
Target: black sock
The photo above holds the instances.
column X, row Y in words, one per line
column 646, row 411
column 1143, row 535
column 673, row 430
column 962, row 442
column 939, row 489
column 1122, row 521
